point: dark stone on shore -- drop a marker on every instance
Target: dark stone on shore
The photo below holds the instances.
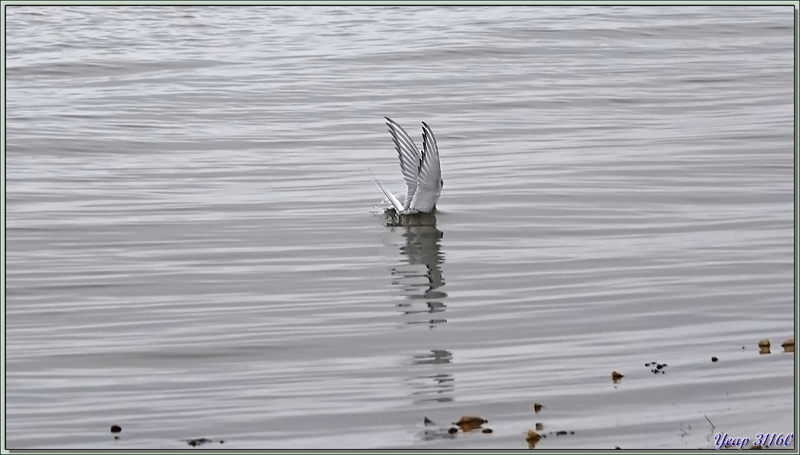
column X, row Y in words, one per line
column 197, row 442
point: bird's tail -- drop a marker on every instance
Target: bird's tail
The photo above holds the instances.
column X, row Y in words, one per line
column 392, row 198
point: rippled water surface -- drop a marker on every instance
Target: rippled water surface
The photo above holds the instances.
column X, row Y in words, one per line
column 193, row 248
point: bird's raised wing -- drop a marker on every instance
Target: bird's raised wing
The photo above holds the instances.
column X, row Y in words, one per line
column 430, row 171
column 410, row 159
column 429, row 181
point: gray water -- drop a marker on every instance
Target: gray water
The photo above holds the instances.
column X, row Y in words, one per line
column 194, row 249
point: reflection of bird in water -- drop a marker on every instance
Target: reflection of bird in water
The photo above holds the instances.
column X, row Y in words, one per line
column 421, row 171
column 422, row 248
column 436, row 356
column 436, row 387
column 421, row 259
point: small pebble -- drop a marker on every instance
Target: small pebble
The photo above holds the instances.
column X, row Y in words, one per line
column 470, row 423
column 487, row 430
column 453, row 430
column 714, row 359
column 471, row 420
column 116, row 428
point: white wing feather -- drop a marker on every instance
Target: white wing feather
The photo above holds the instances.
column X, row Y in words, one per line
column 410, row 159
column 429, row 180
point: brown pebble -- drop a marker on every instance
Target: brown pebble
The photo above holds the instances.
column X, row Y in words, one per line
column 116, row 428
column 487, row 430
column 755, row 448
column 714, row 359
column 470, row 423
column 537, row 407
column 788, row 345
column 532, row 438
column 539, row 426
column 763, row 346
column 616, row 376
column 471, row 420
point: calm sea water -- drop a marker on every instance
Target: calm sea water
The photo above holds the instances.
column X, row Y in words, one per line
column 193, row 248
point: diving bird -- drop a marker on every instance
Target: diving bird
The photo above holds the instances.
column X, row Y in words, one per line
column 421, row 171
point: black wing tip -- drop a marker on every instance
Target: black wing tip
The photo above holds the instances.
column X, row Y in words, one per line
column 427, row 137
column 391, row 124
column 426, row 130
